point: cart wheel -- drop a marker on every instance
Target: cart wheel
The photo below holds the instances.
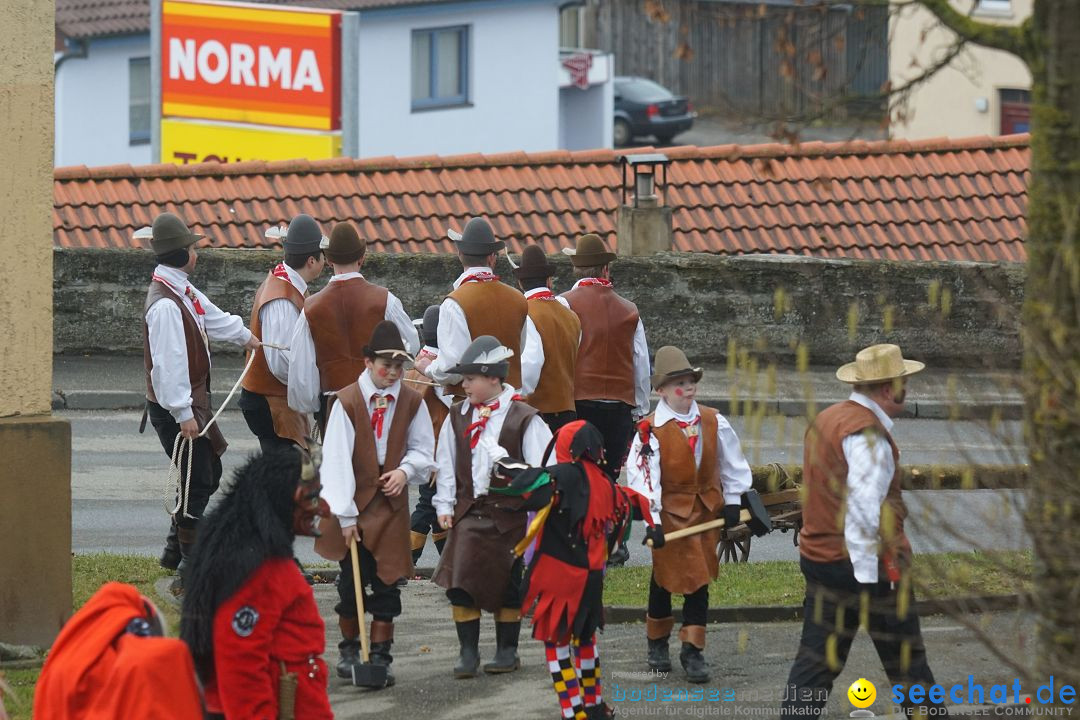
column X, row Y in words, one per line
column 735, row 549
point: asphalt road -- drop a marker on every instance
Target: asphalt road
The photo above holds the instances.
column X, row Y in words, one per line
column 118, row 483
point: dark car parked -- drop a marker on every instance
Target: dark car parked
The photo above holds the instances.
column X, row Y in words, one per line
column 644, row 108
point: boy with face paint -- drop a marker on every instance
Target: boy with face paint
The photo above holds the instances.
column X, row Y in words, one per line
column 377, row 441
column 478, row 567
column 688, row 461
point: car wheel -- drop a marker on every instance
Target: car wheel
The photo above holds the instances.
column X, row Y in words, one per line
column 664, row 139
column 622, row 135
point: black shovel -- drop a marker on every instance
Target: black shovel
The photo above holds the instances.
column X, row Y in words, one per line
column 364, row 674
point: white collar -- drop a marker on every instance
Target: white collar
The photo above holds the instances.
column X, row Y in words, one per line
column 535, row 291
column 869, row 404
column 367, row 387
column 294, row 277
column 665, row 414
column 173, row 276
column 502, row 398
column 346, row 276
column 470, row 271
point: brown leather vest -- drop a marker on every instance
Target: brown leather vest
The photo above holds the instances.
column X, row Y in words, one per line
column 198, row 362
column 825, row 472
column 436, row 408
column 680, row 478
column 510, row 438
column 605, row 359
column 342, row 317
column 560, row 331
column 494, row 308
column 259, row 379
column 365, row 461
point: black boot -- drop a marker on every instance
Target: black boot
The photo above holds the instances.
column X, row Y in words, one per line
column 349, row 650
column 380, row 655
column 177, row 586
column 600, row 712
column 468, row 633
column 693, row 662
column 619, row 557
column 659, row 659
column 170, row 556
column 506, row 645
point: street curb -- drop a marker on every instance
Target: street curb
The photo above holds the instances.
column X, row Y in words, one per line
column 1005, row 409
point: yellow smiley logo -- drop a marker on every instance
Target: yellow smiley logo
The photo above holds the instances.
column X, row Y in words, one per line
column 862, row 693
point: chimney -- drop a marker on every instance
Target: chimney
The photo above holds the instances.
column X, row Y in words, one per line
column 644, row 223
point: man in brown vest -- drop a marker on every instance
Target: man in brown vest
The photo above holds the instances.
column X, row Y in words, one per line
column 687, row 460
column 852, row 541
column 277, row 305
column 423, row 519
column 178, row 323
column 378, row 440
column 479, row 305
column 554, row 331
column 478, row 568
column 611, row 378
column 326, row 346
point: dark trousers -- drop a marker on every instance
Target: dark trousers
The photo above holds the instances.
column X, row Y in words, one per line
column 615, row 421
column 424, row 519
column 261, row 423
column 695, row 605
column 833, row 585
column 381, row 601
column 511, row 597
column 205, row 474
column 557, row 420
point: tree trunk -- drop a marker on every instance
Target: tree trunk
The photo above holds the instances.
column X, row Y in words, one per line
column 1052, row 336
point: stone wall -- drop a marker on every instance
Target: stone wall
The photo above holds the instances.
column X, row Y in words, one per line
column 779, row 308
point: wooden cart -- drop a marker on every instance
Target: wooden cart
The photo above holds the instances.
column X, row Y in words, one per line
column 785, row 511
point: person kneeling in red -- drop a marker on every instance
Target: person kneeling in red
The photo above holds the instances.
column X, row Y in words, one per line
column 249, row 617
column 580, row 517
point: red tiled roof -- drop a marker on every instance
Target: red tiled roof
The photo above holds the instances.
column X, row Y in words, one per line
column 900, row 200
column 97, row 18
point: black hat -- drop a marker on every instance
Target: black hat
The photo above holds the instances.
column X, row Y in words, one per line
column 478, row 238
column 346, row 245
column 386, row 343
column 170, row 233
column 430, row 329
column 484, row 356
column 534, row 264
column 303, row 237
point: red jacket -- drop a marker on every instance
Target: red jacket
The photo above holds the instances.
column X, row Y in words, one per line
column 271, row 618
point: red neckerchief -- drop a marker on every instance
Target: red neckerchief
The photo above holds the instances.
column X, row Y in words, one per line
column 690, row 429
column 474, row 430
column 542, row 295
column 594, row 281
column 189, row 292
column 280, row 272
column 482, row 276
column 378, row 415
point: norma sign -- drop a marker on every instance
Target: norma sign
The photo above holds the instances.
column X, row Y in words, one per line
column 193, row 141
column 255, row 64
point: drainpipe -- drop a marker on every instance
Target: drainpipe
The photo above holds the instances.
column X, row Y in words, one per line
column 77, row 49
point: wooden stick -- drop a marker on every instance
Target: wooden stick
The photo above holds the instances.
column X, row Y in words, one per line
column 355, row 555
column 421, row 382
column 744, row 515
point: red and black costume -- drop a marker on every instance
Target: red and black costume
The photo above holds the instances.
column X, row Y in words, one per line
column 580, row 516
column 249, row 616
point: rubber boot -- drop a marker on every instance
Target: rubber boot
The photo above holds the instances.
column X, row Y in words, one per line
column 382, row 638
column 349, row 647
column 506, row 644
column 693, row 662
column 468, row 633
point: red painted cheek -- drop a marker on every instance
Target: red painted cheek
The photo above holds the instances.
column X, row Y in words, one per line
column 679, row 392
column 383, row 373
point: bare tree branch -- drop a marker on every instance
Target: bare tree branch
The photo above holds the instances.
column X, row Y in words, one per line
column 1001, row 37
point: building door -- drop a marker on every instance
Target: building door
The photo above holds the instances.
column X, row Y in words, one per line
column 1015, row 111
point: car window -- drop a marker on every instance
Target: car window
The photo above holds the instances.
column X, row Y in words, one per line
column 643, row 91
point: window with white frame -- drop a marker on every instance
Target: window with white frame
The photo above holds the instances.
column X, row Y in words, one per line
column 440, row 67
column 994, row 6
column 138, row 101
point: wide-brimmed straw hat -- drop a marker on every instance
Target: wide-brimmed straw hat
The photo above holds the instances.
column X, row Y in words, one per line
column 590, row 252
column 878, row 363
column 671, row 363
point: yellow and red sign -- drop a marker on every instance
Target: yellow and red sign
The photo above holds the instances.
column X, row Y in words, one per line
column 192, row 141
column 248, row 63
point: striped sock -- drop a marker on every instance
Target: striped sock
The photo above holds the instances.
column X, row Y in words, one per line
column 587, row 662
column 565, row 680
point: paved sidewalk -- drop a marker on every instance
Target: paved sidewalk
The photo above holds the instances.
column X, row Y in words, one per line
column 103, row 382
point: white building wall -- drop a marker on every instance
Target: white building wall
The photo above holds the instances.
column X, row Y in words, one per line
column 92, row 105
column 513, row 82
